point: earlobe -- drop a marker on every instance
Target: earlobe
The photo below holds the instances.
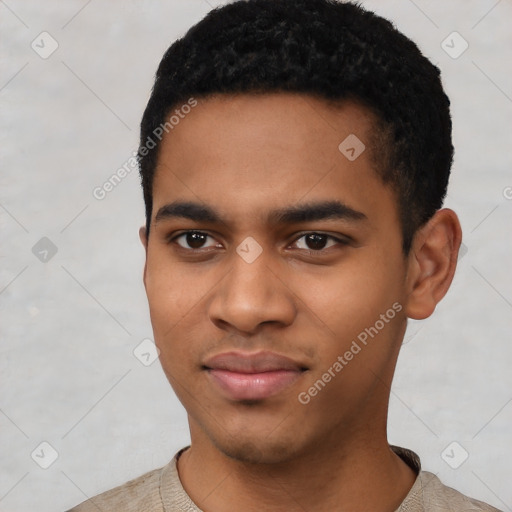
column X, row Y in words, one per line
column 432, row 263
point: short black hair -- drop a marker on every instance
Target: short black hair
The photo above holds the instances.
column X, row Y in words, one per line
column 328, row 49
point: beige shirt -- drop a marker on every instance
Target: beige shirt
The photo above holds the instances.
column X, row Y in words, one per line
column 160, row 490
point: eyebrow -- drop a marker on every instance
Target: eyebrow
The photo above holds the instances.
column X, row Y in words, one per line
column 307, row 212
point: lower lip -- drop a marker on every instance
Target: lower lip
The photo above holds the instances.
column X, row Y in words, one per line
column 253, row 386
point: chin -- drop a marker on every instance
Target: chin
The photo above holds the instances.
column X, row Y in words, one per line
column 259, row 451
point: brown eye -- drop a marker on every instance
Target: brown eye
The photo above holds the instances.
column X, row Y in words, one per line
column 193, row 240
column 316, row 241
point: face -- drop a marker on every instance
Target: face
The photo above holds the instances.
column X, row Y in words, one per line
column 275, row 275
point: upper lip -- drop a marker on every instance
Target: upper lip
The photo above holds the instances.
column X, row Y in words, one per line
column 258, row 362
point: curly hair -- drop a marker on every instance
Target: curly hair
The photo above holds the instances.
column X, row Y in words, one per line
column 331, row 50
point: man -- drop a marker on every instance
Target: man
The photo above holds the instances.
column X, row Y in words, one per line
column 294, row 158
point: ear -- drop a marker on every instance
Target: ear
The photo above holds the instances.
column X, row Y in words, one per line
column 144, row 239
column 432, row 263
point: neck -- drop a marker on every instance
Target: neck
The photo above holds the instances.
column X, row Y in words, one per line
column 357, row 475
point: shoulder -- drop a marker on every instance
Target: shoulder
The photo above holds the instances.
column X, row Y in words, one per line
column 429, row 494
column 141, row 494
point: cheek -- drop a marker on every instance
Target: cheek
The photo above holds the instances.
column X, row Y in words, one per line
column 351, row 296
column 173, row 290
column 357, row 308
column 175, row 296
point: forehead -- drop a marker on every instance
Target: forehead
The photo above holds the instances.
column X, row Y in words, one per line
column 261, row 151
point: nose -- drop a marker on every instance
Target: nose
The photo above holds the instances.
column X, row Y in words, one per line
column 251, row 295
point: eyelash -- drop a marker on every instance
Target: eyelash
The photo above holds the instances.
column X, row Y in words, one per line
column 302, row 235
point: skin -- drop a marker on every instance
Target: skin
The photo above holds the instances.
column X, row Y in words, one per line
column 245, row 156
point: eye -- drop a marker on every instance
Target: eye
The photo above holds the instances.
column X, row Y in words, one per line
column 194, row 240
column 317, row 241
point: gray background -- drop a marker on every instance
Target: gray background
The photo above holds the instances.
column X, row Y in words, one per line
column 70, row 324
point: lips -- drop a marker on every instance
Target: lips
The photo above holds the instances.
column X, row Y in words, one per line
column 256, row 376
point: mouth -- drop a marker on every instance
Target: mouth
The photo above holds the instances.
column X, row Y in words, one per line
column 254, row 376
